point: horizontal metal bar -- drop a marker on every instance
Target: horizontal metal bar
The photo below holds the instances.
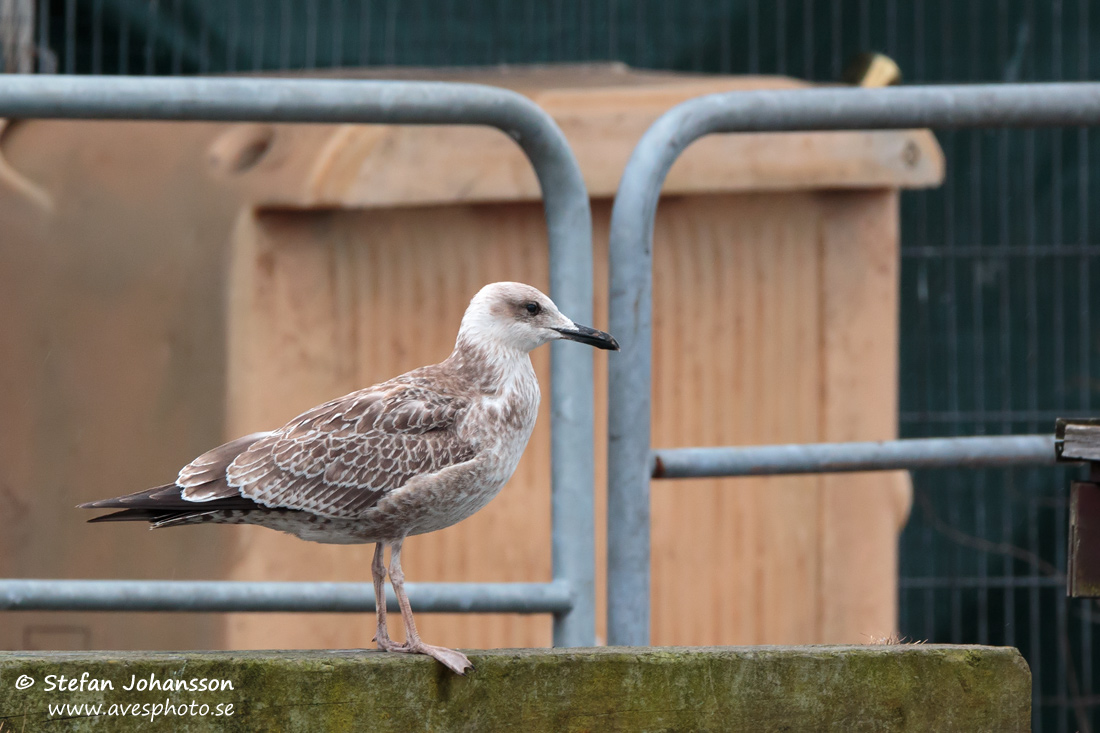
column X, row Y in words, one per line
column 990, row 582
column 765, row 460
column 1067, row 104
column 224, row 596
column 271, row 100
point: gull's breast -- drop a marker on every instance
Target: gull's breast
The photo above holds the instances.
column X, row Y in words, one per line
column 501, row 428
column 502, row 425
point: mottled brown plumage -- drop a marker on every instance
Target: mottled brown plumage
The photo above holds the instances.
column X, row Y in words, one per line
column 412, row 455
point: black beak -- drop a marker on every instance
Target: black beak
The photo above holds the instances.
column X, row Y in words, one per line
column 590, row 336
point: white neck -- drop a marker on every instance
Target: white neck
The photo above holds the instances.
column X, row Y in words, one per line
column 488, row 362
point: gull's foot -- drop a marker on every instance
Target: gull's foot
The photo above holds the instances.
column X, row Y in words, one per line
column 449, row 658
column 387, row 644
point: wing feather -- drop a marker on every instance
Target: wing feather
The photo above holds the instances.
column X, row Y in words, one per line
column 338, row 459
column 341, row 458
column 203, row 479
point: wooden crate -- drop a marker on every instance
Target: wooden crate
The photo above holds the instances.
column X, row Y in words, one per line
column 348, row 254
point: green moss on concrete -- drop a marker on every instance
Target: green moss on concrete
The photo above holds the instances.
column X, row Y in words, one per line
column 844, row 688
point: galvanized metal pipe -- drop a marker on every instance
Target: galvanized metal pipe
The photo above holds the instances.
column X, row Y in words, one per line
column 631, row 260
column 770, row 460
column 223, row 595
column 568, row 220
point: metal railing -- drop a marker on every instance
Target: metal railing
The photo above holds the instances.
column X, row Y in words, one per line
column 571, row 594
column 631, row 463
column 238, row 596
column 888, row 455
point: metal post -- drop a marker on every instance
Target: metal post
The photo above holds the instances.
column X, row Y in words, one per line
column 631, row 261
column 568, row 221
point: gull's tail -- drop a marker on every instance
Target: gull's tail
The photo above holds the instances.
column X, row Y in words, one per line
column 200, row 491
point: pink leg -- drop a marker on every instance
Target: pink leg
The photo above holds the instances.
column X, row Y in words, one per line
column 378, row 574
column 455, row 661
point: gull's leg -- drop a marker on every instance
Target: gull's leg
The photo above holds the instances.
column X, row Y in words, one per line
column 455, row 661
column 378, row 573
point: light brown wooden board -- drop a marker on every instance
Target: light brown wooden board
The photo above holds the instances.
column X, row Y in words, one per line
column 384, row 166
column 325, row 303
column 112, row 365
column 775, row 321
column 861, row 514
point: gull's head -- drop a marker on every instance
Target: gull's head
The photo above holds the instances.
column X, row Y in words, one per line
column 518, row 317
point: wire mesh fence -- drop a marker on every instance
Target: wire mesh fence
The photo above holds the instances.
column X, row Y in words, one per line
column 998, row 332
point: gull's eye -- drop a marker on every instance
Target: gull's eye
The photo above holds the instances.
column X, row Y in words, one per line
column 533, row 308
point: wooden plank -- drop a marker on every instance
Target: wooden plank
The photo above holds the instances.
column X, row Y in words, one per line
column 861, row 514
column 327, row 302
column 1083, row 571
column 1081, row 441
column 735, row 362
column 739, row 329
column 602, row 118
column 380, row 167
column 901, row 689
column 113, row 365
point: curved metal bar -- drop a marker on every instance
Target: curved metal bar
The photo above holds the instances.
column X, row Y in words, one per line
column 277, row 597
column 631, row 260
column 568, row 220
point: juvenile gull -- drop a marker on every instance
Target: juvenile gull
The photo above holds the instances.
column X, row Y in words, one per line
column 412, row 455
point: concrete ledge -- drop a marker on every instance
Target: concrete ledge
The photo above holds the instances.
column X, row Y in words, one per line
column 849, row 688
